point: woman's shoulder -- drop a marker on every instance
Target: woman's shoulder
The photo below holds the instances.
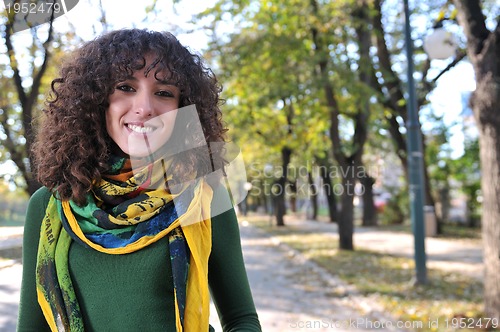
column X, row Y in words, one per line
column 40, row 198
column 36, row 207
column 34, row 215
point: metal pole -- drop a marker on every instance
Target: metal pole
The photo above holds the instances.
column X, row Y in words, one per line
column 415, row 161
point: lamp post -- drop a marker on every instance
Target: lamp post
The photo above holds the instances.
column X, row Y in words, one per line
column 415, row 161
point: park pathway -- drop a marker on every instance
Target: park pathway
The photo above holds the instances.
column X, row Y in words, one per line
column 290, row 293
column 294, row 294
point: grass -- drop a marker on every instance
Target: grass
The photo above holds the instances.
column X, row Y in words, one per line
column 450, row 231
column 447, row 298
column 11, row 222
column 461, row 232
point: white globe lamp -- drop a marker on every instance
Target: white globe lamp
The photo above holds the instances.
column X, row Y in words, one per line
column 440, row 44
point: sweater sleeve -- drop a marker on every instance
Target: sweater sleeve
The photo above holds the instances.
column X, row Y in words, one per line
column 227, row 277
column 30, row 314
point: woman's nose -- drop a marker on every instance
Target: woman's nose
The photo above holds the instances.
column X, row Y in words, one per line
column 143, row 105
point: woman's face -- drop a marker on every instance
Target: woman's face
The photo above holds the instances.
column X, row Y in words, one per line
column 142, row 111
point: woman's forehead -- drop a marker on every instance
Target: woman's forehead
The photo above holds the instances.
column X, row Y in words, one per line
column 155, row 64
column 147, row 64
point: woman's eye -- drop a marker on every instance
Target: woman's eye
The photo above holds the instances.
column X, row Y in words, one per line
column 125, row 88
column 165, row 94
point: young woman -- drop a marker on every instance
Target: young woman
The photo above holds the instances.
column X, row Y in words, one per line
column 123, row 236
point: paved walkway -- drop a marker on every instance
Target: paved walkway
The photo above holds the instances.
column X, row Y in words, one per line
column 11, row 237
column 293, row 294
column 10, row 280
column 290, row 292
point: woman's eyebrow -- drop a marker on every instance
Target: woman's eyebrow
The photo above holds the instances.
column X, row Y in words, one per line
column 158, row 81
column 166, row 82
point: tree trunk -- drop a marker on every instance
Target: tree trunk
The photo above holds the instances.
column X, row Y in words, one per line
column 279, row 198
column 429, row 199
column 470, row 218
column 292, row 185
column 324, row 172
column 280, row 188
column 483, row 50
column 490, row 186
column 369, row 210
column 313, row 196
column 444, row 198
column 345, row 223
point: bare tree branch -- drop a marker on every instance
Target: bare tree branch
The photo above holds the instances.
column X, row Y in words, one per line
column 460, row 55
column 13, row 63
column 391, row 81
column 15, row 155
column 428, row 85
column 27, row 101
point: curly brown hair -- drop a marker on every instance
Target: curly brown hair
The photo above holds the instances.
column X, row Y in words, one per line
column 72, row 146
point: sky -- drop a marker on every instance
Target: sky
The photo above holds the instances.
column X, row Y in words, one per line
column 446, row 100
column 132, row 13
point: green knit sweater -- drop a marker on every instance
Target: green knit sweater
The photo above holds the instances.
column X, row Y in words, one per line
column 134, row 292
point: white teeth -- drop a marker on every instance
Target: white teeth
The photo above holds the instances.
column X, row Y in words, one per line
column 140, row 129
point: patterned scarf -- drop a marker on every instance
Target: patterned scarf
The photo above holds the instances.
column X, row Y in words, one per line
column 126, row 212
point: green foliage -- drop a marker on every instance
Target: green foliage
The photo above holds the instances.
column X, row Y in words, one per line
column 396, row 210
column 267, row 73
column 13, row 203
column 466, row 170
column 269, row 69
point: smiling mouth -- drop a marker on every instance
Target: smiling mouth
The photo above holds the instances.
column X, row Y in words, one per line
column 140, row 129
